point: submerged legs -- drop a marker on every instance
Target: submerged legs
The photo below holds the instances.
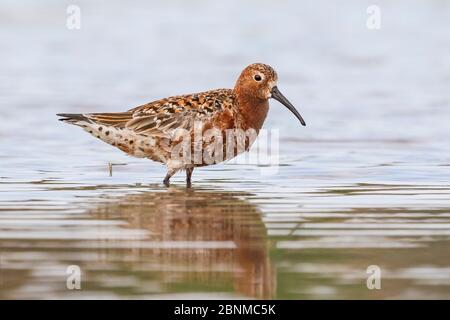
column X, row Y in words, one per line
column 188, row 177
column 171, row 172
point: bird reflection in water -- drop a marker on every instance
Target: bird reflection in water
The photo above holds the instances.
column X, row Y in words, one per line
column 198, row 240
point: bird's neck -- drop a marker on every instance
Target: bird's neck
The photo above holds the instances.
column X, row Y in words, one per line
column 252, row 110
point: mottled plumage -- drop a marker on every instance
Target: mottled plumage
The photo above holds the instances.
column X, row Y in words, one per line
column 155, row 130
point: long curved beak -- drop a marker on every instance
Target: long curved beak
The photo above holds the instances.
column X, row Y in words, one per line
column 277, row 95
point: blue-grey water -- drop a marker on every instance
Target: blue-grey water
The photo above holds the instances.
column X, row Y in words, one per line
column 367, row 182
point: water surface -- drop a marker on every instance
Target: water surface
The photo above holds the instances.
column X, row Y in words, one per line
column 367, row 182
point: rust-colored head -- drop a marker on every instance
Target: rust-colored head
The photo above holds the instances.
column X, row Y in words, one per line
column 258, row 82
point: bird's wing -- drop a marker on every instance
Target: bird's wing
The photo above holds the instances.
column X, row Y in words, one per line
column 162, row 117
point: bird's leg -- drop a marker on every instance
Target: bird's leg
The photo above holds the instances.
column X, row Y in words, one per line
column 188, row 177
column 169, row 174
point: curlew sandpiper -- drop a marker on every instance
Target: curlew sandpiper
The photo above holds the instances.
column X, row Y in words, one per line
column 194, row 130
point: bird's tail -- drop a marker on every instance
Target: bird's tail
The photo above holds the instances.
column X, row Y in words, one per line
column 73, row 118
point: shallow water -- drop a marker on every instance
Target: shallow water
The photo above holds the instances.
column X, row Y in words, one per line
column 367, row 182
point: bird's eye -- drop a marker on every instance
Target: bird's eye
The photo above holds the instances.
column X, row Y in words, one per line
column 257, row 77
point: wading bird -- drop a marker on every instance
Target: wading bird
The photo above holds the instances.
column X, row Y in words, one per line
column 160, row 129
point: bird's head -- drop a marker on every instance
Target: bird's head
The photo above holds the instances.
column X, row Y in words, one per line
column 258, row 81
